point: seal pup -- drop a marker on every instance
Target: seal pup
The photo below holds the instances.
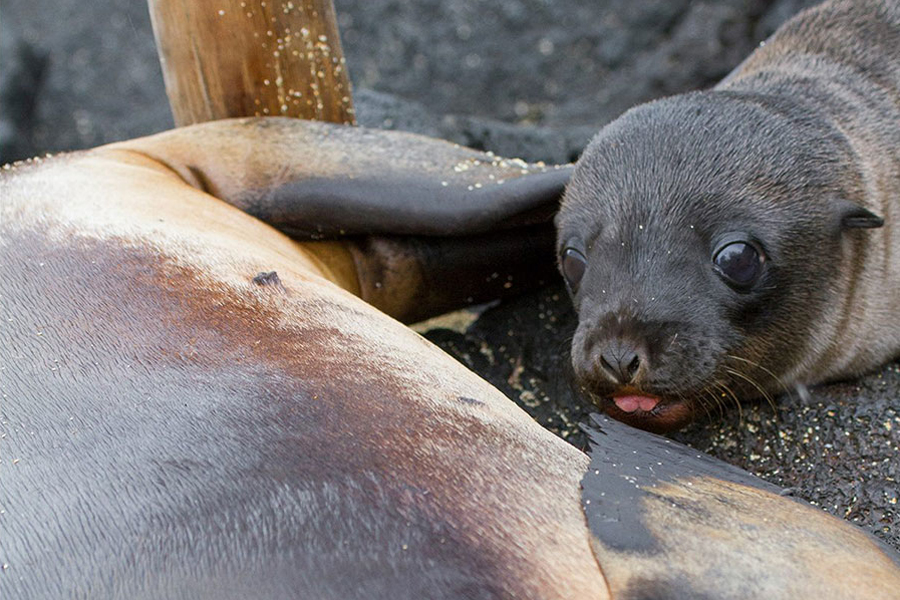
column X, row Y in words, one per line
column 197, row 406
column 736, row 242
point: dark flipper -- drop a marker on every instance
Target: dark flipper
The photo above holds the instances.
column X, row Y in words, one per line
column 432, row 226
column 412, row 278
column 411, row 204
column 670, row 522
column 389, row 182
column 320, row 180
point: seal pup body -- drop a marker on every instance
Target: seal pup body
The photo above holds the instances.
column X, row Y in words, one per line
column 729, row 243
column 197, row 406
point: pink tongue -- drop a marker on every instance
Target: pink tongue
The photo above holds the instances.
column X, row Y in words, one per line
column 630, row 404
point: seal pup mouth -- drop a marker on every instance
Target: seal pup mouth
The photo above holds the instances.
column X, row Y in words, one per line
column 646, row 411
column 630, row 403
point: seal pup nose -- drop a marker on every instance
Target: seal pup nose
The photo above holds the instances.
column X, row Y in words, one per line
column 620, row 361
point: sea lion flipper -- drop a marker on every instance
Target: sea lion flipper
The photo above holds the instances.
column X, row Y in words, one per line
column 415, row 277
column 317, row 180
column 431, row 226
column 666, row 517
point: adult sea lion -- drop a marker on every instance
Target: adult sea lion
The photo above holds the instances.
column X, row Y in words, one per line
column 739, row 241
column 180, row 422
column 195, row 405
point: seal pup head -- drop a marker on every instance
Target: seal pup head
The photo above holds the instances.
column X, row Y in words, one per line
column 701, row 239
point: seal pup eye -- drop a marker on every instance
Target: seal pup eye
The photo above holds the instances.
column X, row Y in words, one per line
column 740, row 263
column 573, row 266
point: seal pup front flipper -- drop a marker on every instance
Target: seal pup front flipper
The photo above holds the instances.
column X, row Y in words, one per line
column 454, row 226
column 670, row 522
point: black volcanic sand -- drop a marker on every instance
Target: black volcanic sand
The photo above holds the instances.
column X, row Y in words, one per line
column 527, row 78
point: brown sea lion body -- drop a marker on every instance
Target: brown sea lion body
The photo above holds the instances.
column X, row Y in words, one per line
column 197, row 406
column 183, row 427
column 729, row 243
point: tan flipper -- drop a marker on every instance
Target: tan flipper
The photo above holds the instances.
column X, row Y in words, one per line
column 670, row 522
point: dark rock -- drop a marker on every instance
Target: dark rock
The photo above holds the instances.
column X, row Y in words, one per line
column 584, row 64
column 103, row 80
column 527, row 78
column 386, row 111
column 20, row 81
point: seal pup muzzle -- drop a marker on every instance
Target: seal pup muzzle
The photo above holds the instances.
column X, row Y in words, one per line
column 736, row 242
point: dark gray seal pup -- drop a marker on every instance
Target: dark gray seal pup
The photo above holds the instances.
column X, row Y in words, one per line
column 736, row 242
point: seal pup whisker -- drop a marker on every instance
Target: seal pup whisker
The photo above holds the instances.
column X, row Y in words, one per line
column 756, row 385
column 727, row 390
column 767, row 371
column 674, row 339
column 716, row 400
column 803, row 393
column 565, row 348
column 719, row 402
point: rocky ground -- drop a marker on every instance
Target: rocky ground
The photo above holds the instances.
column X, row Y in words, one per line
column 528, row 78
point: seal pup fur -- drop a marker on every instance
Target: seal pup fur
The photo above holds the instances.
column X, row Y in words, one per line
column 736, row 242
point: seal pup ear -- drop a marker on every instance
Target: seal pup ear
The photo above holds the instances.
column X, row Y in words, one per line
column 854, row 216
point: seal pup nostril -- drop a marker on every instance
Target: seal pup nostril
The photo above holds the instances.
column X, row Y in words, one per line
column 620, row 361
column 633, row 366
column 609, row 369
